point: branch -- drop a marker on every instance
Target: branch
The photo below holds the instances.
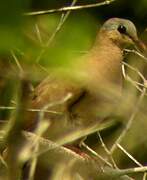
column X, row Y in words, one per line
column 132, row 117
column 136, row 70
column 59, row 26
column 107, row 151
column 94, row 153
column 30, row 109
column 133, row 82
column 54, row 152
column 136, row 52
column 70, row 8
column 129, row 155
column 132, row 158
column 17, row 62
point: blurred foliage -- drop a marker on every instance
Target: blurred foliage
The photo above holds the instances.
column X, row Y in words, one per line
column 28, row 38
column 76, row 36
column 11, row 20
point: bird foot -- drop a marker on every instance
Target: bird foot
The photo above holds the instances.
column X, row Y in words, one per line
column 77, row 150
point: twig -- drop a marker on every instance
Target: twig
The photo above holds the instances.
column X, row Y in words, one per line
column 129, row 171
column 60, row 24
column 45, row 124
column 107, row 151
column 3, row 161
column 33, row 164
column 17, row 62
column 38, row 33
column 19, row 51
column 134, row 83
column 13, row 131
column 129, row 155
column 64, row 9
column 135, row 111
column 136, row 70
column 128, row 78
column 70, row 136
column 31, row 110
column 136, row 52
column 54, row 150
column 132, row 158
column 95, row 154
column 134, row 170
column 145, row 176
column 41, row 128
column 51, row 149
column 47, row 145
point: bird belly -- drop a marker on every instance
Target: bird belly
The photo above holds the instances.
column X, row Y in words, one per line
column 91, row 109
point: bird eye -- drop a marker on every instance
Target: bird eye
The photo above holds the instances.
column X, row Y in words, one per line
column 122, row 29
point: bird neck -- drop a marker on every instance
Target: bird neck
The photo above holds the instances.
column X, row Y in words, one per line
column 104, row 61
column 107, row 48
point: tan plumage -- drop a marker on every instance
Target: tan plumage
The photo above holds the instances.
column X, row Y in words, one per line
column 94, row 83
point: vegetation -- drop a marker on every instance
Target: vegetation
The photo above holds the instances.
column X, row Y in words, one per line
column 35, row 42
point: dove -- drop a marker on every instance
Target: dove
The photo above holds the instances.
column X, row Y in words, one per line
column 88, row 93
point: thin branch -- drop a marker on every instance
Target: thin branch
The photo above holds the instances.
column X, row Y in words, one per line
column 128, row 78
column 31, row 110
column 70, row 136
column 132, row 117
column 132, row 158
column 95, row 154
column 129, row 155
column 54, row 150
column 19, row 51
column 134, row 83
column 17, row 62
column 107, row 151
column 136, row 52
column 47, row 145
column 60, row 24
column 145, row 176
column 38, row 33
column 134, row 170
column 41, row 128
column 138, row 85
column 73, row 8
column 136, row 70
column 2, row 160
column 33, row 164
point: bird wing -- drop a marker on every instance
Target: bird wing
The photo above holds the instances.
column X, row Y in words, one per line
column 55, row 91
column 54, row 96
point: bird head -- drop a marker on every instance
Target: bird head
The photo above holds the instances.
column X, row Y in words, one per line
column 122, row 32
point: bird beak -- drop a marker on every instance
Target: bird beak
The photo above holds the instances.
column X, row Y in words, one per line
column 140, row 46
